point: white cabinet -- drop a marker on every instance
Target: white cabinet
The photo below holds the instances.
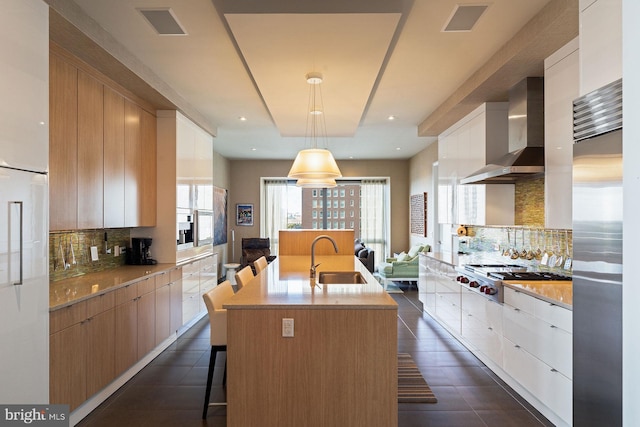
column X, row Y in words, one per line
column 465, row 147
column 561, row 87
column 539, row 349
column 600, row 43
column 482, row 325
column 24, row 86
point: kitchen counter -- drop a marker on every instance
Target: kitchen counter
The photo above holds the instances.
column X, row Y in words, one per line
column 285, row 283
column 338, row 367
column 69, row 291
column 556, row 292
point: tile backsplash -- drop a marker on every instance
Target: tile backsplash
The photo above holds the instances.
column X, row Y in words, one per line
column 73, row 248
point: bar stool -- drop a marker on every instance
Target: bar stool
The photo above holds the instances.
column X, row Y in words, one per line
column 218, row 324
column 260, row 264
column 244, row 276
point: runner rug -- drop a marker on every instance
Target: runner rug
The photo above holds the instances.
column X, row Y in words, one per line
column 412, row 388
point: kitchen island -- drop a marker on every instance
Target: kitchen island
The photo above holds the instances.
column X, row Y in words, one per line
column 338, row 368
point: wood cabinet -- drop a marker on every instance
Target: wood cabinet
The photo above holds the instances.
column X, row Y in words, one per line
column 464, row 148
column 135, row 322
column 103, row 151
column 63, row 144
column 90, row 152
column 113, row 158
column 561, row 87
column 81, row 350
column 168, row 303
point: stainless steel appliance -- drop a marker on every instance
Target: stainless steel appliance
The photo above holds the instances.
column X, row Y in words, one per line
column 479, row 278
column 597, row 260
column 140, row 253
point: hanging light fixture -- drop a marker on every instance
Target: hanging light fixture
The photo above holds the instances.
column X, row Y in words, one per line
column 315, row 167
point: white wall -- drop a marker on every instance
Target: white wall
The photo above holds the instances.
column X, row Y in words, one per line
column 420, row 181
column 631, row 233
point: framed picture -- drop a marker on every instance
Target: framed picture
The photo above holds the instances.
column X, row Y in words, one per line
column 220, row 196
column 244, row 214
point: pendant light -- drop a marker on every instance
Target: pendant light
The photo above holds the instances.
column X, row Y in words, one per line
column 315, row 167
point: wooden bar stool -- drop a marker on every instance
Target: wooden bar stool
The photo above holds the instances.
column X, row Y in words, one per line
column 260, row 264
column 244, row 276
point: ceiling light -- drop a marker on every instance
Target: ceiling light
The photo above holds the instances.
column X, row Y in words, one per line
column 253, row 149
column 242, row 118
column 391, row 117
column 315, row 167
column 397, row 148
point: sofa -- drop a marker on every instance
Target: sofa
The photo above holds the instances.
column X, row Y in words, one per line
column 402, row 267
column 364, row 254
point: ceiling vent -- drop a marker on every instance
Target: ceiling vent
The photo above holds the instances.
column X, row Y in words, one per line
column 464, row 17
column 163, row 21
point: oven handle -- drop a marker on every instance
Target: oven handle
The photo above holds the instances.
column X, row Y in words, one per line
column 20, row 205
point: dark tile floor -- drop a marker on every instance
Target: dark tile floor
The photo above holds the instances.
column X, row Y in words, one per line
column 170, row 390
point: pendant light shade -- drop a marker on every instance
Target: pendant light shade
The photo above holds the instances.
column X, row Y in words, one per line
column 314, row 163
column 316, row 183
column 315, row 167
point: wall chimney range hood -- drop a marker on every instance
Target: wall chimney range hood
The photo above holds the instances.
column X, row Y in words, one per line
column 526, row 138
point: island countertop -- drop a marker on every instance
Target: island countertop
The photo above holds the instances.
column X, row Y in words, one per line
column 286, row 283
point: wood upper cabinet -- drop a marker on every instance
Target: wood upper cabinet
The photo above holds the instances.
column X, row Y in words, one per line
column 132, row 164
column 102, row 146
column 113, row 158
column 90, row 152
column 63, row 144
column 148, row 169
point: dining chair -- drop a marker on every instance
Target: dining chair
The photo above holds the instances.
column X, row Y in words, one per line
column 218, row 325
column 260, row 264
column 244, row 276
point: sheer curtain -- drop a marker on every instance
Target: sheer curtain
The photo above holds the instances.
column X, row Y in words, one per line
column 274, row 215
column 373, row 216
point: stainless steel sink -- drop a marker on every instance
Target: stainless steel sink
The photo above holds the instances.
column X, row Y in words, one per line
column 341, row 277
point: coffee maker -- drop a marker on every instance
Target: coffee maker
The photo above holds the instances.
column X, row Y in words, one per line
column 140, row 254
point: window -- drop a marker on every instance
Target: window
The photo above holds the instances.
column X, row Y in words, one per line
column 285, row 206
column 342, row 192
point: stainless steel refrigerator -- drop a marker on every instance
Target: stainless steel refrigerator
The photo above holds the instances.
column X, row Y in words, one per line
column 597, row 265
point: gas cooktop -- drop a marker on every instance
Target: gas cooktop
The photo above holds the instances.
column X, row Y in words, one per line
column 528, row 275
column 494, row 268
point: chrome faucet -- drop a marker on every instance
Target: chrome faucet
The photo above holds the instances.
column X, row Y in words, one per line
column 312, row 273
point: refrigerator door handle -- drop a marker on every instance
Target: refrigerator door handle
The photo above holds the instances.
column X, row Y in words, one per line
column 19, row 203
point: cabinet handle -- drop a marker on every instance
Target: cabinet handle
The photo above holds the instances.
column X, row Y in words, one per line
column 516, row 309
column 490, row 328
column 554, row 370
column 516, row 346
column 553, row 327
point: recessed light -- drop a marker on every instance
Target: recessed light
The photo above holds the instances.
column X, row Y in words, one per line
column 351, row 157
column 242, row 118
column 42, row 123
column 391, row 117
column 397, row 148
column 253, row 148
column 558, row 148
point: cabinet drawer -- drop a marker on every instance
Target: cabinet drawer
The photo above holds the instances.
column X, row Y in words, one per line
column 191, row 268
column 176, row 274
column 163, row 279
column 548, row 343
column 101, row 303
column 547, row 384
column 519, row 300
column 146, row 285
column 67, row 316
column 554, row 314
column 126, row 293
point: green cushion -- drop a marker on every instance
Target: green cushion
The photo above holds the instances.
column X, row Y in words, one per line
column 414, row 251
column 402, row 256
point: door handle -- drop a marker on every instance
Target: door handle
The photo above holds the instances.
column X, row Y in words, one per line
column 20, row 205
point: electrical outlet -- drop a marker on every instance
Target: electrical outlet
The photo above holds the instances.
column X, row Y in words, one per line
column 287, row 328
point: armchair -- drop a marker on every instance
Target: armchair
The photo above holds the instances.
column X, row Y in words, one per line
column 254, row 248
column 403, row 267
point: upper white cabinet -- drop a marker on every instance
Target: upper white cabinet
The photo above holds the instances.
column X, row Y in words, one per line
column 600, row 43
column 561, row 87
column 464, row 148
column 24, row 86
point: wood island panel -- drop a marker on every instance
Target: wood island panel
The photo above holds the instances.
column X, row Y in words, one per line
column 339, row 369
column 298, row 242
